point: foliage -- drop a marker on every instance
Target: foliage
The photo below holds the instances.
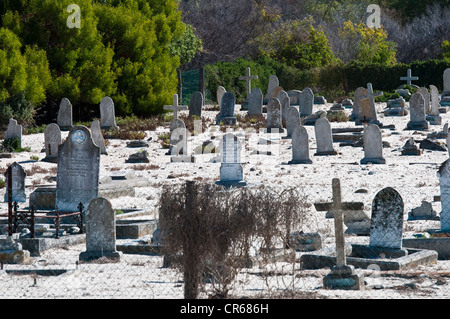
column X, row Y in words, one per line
column 186, row 46
column 446, row 49
column 13, row 145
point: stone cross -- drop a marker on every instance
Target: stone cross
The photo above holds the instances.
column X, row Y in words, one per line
column 175, row 107
column 248, row 78
column 409, row 77
column 338, row 223
column 371, row 95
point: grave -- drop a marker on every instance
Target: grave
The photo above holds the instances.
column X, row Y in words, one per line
column 359, row 103
column 320, row 100
column 426, row 96
column 226, row 115
column 417, row 113
column 255, row 102
column 247, row 78
column 385, row 249
column 424, row 212
column 178, row 143
column 273, row 84
column 373, row 145
column 301, row 241
column 274, row 116
column 12, row 252
column 292, row 120
column 446, row 91
column 175, row 108
column 17, row 183
column 409, row 78
column 306, row 102
column 13, row 131
column 107, row 114
column 97, row 136
column 219, row 94
column 347, row 103
column 300, row 146
column 100, row 232
column 52, row 137
column 64, row 119
column 434, row 118
column 231, row 170
column 324, row 138
column 285, row 102
column 367, row 111
column 410, row 148
column 396, row 107
column 196, row 104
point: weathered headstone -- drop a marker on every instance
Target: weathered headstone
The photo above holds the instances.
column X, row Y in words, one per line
column 324, row 137
column 409, row 78
column 273, row 83
column 219, row 94
column 231, row 171
column 178, row 143
column 434, row 118
column 64, row 119
column 97, row 136
column 359, row 103
column 426, row 97
column 18, row 183
column 417, row 113
column 52, row 140
column 196, row 104
column 175, row 107
column 78, row 170
column 285, row 102
column 444, row 181
column 274, row 116
column 100, row 231
column 373, row 145
column 226, row 115
column 292, row 120
column 306, row 102
column 300, row 146
column 368, row 112
column 446, row 79
column 107, row 114
column 13, row 131
column 386, row 228
column 255, row 102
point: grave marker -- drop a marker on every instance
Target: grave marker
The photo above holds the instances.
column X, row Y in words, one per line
column 248, row 78
column 409, row 78
column 255, row 102
column 13, row 131
column 175, row 107
column 324, row 138
column 52, row 137
column 292, row 120
column 219, row 94
column 273, row 83
column 97, row 136
column 231, row 171
column 306, row 102
column 274, row 116
column 434, row 118
column 373, row 145
column 64, row 119
column 300, row 146
column 417, row 113
column 107, row 114
column 226, row 115
column 18, row 183
column 368, row 112
column 196, row 104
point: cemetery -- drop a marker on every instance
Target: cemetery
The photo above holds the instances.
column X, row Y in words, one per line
column 267, row 183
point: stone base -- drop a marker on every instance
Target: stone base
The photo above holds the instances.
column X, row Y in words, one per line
column 434, row 119
column 226, row 121
column 418, row 126
column 229, row 184
column 94, row 255
column 412, row 152
column 182, row 159
column 380, row 160
column 274, row 130
column 345, row 278
column 326, row 153
column 296, row 162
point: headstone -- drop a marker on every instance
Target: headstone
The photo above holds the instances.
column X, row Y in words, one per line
column 426, row 97
column 424, row 212
column 359, row 103
column 409, row 78
column 219, row 94
column 386, row 228
column 434, row 118
column 196, row 104
column 227, row 107
column 274, row 116
column 373, row 145
column 273, row 83
column 347, row 103
column 324, row 138
column 107, row 114
column 444, row 181
column 231, row 171
column 292, row 120
column 175, row 107
column 14, row 130
column 410, row 148
column 18, row 183
column 294, row 96
column 255, row 102
column 52, row 140
column 320, row 100
column 100, row 232
column 78, row 170
column 306, row 102
column 64, row 119
column 178, row 143
column 417, row 113
column 446, row 79
column 300, row 146
column 285, row 102
column 368, row 112
column 97, row 136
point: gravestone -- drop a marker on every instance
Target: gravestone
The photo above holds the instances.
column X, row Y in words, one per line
column 434, row 118
column 426, row 97
column 359, row 103
column 100, row 232
column 255, row 102
column 18, row 183
column 367, row 111
column 274, row 116
column 285, row 102
column 273, row 83
column 294, row 96
column 231, row 171
column 13, row 131
column 446, row 79
column 306, row 102
column 410, row 148
column 373, row 145
column 78, row 170
column 444, row 181
column 386, row 228
column 175, row 107
column 196, row 104
column 409, row 78
column 97, row 136
column 300, row 146
column 52, row 140
column 178, row 143
column 324, row 138
column 417, row 113
column 292, row 120
column 64, row 119
column 219, row 94
column 226, row 115
column 107, row 114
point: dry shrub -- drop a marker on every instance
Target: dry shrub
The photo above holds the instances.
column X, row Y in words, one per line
column 212, row 228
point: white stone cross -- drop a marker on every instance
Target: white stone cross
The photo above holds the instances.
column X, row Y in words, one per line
column 371, row 95
column 248, row 78
column 175, row 107
column 338, row 223
column 409, row 78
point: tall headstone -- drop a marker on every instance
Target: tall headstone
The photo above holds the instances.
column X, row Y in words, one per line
column 18, row 183
column 434, row 118
column 100, row 232
column 255, row 102
column 373, row 145
column 78, row 170
column 368, row 112
column 306, row 102
column 324, row 137
column 446, row 79
column 175, row 107
column 285, row 101
column 14, row 130
column 292, row 120
column 273, row 84
column 417, row 113
column 226, row 115
column 219, row 94
column 196, row 104
column 359, row 103
column 444, row 181
column 386, row 228
column 231, row 171
column 426, row 96
column 97, row 136
column 300, row 146
column 64, row 119
column 107, row 113
column 52, row 140
column 274, row 116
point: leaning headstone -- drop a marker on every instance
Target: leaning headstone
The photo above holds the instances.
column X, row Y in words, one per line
column 226, row 115
column 64, row 119
column 292, row 120
column 18, row 183
column 386, row 228
column 417, row 113
column 13, row 131
column 78, row 170
column 273, row 83
column 324, row 138
column 219, row 94
column 97, row 136
column 52, row 140
column 255, row 102
column 100, row 232
column 231, row 171
column 274, row 116
column 434, row 118
column 426, row 97
column 196, row 104
column 306, row 102
column 107, row 114
column 300, row 146
column 373, row 145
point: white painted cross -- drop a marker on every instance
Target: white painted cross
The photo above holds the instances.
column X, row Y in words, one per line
column 409, row 77
column 175, row 107
column 248, row 78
